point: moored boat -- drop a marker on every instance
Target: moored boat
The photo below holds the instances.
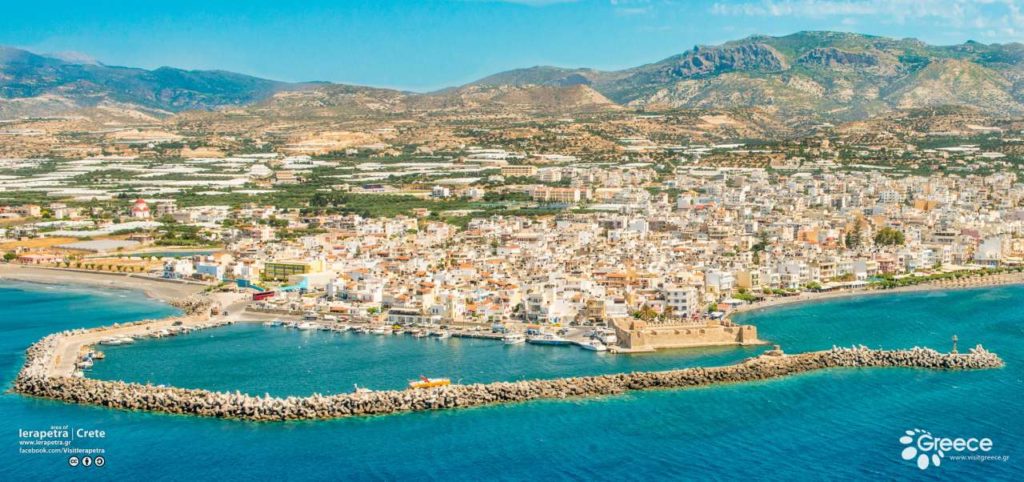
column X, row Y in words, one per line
column 547, row 339
column 513, row 338
column 425, row 382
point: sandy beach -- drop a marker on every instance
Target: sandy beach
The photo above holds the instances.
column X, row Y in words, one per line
column 163, row 290
column 805, row 297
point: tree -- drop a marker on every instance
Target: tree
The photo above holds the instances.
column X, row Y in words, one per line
column 10, row 256
column 888, row 237
column 853, row 237
column 762, row 242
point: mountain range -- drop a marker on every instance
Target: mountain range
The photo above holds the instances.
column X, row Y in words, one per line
column 812, row 75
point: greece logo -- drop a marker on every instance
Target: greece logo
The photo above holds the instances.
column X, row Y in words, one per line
column 927, row 450
column 911, row 451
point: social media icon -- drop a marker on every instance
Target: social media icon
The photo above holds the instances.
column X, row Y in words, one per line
column 100, row 461
column 73, row 461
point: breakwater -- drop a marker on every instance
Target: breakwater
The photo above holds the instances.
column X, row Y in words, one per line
column 35, row 379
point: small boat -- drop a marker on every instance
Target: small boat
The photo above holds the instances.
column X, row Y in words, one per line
column 547, row 339
column 425, row 382
column 358, row 389
column 444, row 335
column 98, row 355
column 111, row 341
column 593, row 345
column 380, row 330
column 305, row 326
column 513, row 338
column 268, row 323
column 419, row 334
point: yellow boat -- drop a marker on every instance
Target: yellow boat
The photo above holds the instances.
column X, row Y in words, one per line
column 425, row 382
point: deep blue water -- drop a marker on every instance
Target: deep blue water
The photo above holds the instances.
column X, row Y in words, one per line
column 842, row 424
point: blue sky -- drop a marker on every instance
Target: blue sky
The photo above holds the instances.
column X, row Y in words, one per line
column 429, row 44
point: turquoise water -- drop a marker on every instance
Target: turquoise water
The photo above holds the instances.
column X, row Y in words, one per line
column 283, row 362
column 842, row 424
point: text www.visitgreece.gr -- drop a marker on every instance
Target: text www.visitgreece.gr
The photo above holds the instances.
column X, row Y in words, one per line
column 980, row 458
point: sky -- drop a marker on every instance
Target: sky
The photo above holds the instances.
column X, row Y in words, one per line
column 430, row 44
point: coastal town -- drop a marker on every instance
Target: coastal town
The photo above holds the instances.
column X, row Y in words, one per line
column 640, row 246
column 512, row 239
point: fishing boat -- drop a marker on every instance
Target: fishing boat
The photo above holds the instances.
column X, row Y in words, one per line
column 547, row 339
column 380, row 330
column 513, row 338
column 593, row 345
column 425, row 382
column 305, row 326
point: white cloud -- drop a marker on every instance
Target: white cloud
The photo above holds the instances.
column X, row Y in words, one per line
column 981, row 15
column 958, row 11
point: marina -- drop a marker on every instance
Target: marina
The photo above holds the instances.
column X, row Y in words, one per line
column 697, row 420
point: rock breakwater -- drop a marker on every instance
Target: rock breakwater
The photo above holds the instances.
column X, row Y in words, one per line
column 34, row 380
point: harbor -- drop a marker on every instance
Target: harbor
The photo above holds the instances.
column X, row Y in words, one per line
column 432, row 395
column 701, row 419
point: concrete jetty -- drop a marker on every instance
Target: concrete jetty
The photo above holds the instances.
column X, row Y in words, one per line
column 44, row 375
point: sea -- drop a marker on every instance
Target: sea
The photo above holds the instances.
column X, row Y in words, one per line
column 829, row 425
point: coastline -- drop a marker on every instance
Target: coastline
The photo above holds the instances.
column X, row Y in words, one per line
column 964, row 284
column 167, row 291
column 51, row 362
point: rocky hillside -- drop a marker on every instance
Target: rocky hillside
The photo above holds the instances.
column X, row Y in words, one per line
column 803, row 78
column 33, row 84
column 831, row 75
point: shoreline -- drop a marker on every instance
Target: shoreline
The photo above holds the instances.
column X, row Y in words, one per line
column 167, row 291
column 991, row 281
column 50, row 364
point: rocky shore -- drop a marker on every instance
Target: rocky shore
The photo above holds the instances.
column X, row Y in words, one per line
column 34, row 380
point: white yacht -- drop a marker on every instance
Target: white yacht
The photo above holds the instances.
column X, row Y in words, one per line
column 513, row 338
column 593, row 345
column 547, row 339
